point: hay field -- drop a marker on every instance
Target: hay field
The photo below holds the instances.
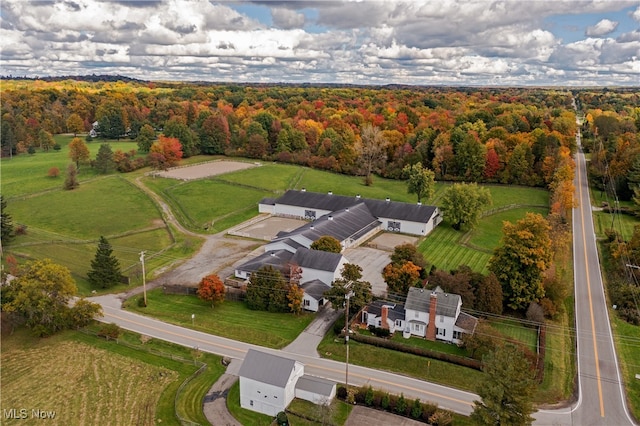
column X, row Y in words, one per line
column 81, row 384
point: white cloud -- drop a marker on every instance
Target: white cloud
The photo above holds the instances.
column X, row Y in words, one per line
column 287, row 19
column 636, row 14
column 603, row 27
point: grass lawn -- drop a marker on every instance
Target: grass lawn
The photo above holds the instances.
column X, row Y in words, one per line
column 233, row 320
column 443, row 249
column 515, row 330
column 627, row 339
column 622, row 223
column 85, row 380
column 271, row 177
column 336, row 413
column 244, row 416
column 503, row 195
column 489, row 232
column 398, row 362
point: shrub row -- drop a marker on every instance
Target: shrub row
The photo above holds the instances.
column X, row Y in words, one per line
column 397, row 346
column 422, row 411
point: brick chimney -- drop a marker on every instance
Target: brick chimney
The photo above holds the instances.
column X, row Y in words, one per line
column 431, row 327
column 385, row 314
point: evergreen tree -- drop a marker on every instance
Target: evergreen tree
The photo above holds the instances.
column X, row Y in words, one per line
column 7, row 223
column 105, row 268
column 267, row 290
column 104, row 159
column 507, row 390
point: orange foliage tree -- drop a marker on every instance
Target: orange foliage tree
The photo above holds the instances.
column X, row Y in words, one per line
column 211, row 289
column 165, row 153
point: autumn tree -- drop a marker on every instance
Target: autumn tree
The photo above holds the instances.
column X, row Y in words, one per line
column 420, row 181
column 399, row 277
column 6, row 223
column 462, row 204
column 507, row 390
column 75, row 124
column 165, row 153
column 41, row 295
column 176, row 127
column 371, row 151
column 78, row 151
column 45, row 140
column 71, row 181
column 350, row 281
column 104, row 159
column 489, row 295
column 211, row 289
column 522, row 258
column 327, row 243
column 105, row 267
column 267, row 290
column 456, row 282
column 409, row 252
column 294, row 297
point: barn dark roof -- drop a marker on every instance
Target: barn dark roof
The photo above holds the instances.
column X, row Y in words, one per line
column 316, row 259
column 315, row 288
column 418, row 300
column 378, row 208
column 279, row 259
column 267, row 368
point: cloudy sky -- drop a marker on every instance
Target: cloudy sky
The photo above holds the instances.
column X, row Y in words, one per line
column 459, row 42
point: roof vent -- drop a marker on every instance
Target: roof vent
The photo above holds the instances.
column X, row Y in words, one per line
column 312, row 227
column 419, row 203
column 358, row 196
column 330, row 218
column 347, row 210
column 273, row 254
column 388, row 199
column 330, row 192
column 303, row 190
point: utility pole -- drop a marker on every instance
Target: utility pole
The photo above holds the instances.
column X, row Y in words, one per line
column 144, row 279
column 346, row 339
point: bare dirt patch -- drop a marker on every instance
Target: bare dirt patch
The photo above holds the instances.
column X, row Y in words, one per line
column 268, row 228
column 203, row 170
column 388, row 241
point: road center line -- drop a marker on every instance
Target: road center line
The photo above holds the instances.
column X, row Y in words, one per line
column 586, row 264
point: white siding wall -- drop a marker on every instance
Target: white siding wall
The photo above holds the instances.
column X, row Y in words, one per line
column 261, row 397
column 241, row 274
column 413, row 315
column 446, row 323
column 314, row 397
column 285, row 210
column 309, row 274
column 313, row 305
column 407, row 227
column 266, row 208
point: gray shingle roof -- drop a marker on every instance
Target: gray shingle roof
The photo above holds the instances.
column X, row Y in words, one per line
column 315, row 385
column 467, row 322
column 315, row 288
column 279, row 259
column 378, row 208
column 418, row 300
column 396, row 311
column 316, row 259
column 266, row 368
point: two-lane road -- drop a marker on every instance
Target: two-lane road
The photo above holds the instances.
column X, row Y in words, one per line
column 601, row 394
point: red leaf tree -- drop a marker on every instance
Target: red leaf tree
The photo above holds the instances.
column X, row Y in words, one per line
column 211, row 289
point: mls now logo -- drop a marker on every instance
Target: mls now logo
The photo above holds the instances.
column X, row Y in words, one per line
column 23, row 413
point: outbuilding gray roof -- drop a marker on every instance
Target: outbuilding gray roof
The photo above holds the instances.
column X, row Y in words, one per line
column 378, row 208
column 396, row 311
column 266, row 368
column 316, row 385
column 279, row 259
column 418, row 299
column 467, row 322
column 316, row 259
column 315, row 288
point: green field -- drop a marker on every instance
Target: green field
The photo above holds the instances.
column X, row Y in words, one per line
column 627, row 339
column 443, row 249
column 84, row 380
column 229, row 319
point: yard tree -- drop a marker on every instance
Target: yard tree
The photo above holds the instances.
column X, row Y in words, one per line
column 71, row 181
column 399, row 277
column 409, row 252
column 350, row 281
column 211, row 289
column 507, row 391
column 294, row 297
column 75, row 124
column 327, row 243
column 176, row 127
column 165, row 152
column 111, row 122
column 457, row 282
column 489, row 295
column 78, row 151
column 371, row 150
column 267, row 290
column 6, row 223
column 45, row 140
column 522, row 258
column 104, row 159
column 105, row 267
column 462, row 204
column 145, row 138
column 420, row 181
column 40, row 297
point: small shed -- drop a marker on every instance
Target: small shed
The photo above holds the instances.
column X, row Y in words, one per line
column 315, row 389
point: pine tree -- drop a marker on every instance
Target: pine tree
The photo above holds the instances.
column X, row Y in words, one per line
column 104, row 159
column 7, row 223
column 105, row 268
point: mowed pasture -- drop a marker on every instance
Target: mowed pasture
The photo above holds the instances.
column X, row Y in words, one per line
column 80, row 383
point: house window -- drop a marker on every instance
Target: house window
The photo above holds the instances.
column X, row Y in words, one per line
column 251, row 403
column 393, row 226
column 457, row 335
column 441, row 318
column 398, row 323
column 306, row 302
column 310, row 214
column 416, row 327
column 441, row 332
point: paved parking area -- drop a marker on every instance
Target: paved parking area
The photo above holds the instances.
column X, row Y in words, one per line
column 268, row 228
column 372, row 262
